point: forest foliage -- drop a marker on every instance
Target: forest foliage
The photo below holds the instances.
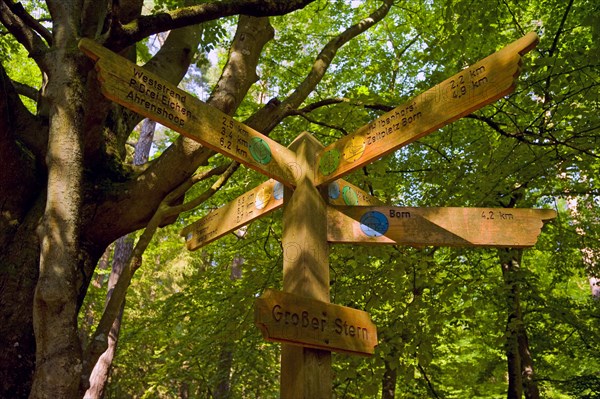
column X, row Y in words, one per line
column 441, row 313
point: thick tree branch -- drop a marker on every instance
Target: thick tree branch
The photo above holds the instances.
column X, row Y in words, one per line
column 240, row 71
column 21, row 125
column 32, row 42
column 19, row 10
column 19, row 182
column 273, row 113
column 328, row 53
column 560, row 29
column 26, row 90
column 337, row 100
column 123, row 35
column 93, row 15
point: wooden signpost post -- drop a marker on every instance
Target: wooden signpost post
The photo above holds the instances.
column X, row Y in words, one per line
column 320, row 208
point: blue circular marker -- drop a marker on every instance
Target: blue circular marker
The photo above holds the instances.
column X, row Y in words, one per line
column 334, row 190
column 278, row 191
column 374, row 224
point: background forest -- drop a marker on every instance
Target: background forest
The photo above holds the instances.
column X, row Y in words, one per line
column 452, row 323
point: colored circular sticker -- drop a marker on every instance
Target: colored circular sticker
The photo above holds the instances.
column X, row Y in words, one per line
column 329, row 162
column 334, row 190
column 262, row 198
column 278, row 191
column 374, row 224
column 349, row 195
column 260, row 151
column 354, row 148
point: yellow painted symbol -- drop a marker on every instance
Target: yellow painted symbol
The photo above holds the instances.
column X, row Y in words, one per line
column 263, row 197
column 354, row 148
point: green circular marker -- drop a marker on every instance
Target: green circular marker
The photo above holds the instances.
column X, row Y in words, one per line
column 260, row 151
column 349, row 196
column 329, row 162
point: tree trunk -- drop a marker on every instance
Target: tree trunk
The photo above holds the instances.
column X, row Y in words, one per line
column 58, row 349
column 100, row 373
column 509, row 260
column 521, row 377
column 388, row 384
column 223, row 385
column 84, row 197
column 22, row 201
column 123, row 251
column 19, row 271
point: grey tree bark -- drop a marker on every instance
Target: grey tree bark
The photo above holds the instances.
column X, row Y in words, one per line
column 122, row 253
column 521, row 375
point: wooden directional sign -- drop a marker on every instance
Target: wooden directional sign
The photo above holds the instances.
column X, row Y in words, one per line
column 455, row 227
column 340, row 192
column 153, row 97
column 479, row 85
column 304, row 318
column 257, row 202
column 293, row 319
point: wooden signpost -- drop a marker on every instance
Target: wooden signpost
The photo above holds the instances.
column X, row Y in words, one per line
column 319, row 208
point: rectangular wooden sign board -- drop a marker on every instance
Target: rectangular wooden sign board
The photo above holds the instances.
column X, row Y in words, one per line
column 479, row 85
column 293, row 319
column 455, row 227
column 257, row 202
column 149, row 95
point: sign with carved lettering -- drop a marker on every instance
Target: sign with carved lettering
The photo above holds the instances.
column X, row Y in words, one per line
column 257, row 202
column 149, row 95
column 479, row 85
column 293, row 319
column 455, row 227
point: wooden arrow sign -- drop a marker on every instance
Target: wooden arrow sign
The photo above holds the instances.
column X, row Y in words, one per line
column 149, row 95
column 479, row 85
column 455, row 227
column 257, row 202
column 294, row 319
column 340, row 192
